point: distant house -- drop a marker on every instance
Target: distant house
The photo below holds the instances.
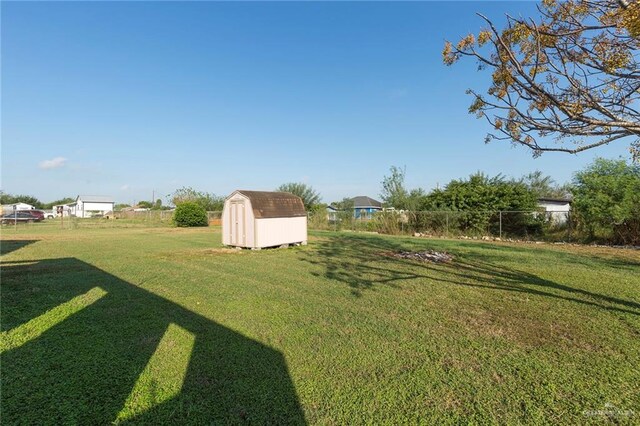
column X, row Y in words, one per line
column 332, row 213
column 557, row 209
column 91, row 205
column 17, row 206
column 364, row 207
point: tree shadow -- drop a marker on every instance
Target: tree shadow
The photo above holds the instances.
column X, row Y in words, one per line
column 85, row 366
column 7, row 246
column 361, row 263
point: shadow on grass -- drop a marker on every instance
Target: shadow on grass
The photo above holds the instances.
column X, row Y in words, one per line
column 7, row 246
column 359, row 262
column 115, row 352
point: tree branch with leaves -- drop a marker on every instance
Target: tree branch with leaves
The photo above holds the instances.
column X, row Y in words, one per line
column 572, row 75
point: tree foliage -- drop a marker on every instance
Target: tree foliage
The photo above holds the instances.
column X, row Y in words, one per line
column 480, row 197
column 190, row 213
column 572, row 74
column 208, row 201
column 607, row 200
column 66, row 200
column 145, row 204
column 393, row 192
column 544, row 186
column 396, row 195
column 310, row 197
column 344, row 204
column 28, row 199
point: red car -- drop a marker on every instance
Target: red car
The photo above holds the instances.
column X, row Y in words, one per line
column 38, row 215
column 21, row 216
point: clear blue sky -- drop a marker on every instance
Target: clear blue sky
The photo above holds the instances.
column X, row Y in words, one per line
column 123, row 99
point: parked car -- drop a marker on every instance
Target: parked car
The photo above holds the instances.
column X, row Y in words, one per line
column 22, row 216
column 38, row 214
column 50, row 214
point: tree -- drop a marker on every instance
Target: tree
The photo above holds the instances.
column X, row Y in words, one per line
column 208, row 201
column 28, row 199
column 574, row 74
column 65, row 200
column 344, row 205
column 393, row 191
column 145, row 204
column 544, row 186
column 395, row 194
column 344, row 209
column 479, row 197
column 309, row 196
column 607, row 200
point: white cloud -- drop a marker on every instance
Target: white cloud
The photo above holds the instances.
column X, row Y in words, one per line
column 125, row 187
column 54, row 163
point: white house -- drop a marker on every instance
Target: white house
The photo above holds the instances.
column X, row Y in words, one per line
column 91, row 205
column 258, row 219
column 66, row 208
column 7, row 208
column 557, row 209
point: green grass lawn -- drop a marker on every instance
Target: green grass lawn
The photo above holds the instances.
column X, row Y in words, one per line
column 163, row 325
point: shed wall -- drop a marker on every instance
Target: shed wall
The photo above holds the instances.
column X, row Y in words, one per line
column 280, row 230
column 559, row 211
column 105, row 207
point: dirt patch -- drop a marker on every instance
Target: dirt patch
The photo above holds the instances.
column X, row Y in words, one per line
column 430, row 256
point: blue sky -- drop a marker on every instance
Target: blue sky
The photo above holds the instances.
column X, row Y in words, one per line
column 124, row 99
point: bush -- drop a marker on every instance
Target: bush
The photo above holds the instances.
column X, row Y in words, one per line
column 190, row 214
column 607, row 201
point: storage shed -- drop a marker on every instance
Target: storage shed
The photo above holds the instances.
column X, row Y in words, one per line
column 259, row 219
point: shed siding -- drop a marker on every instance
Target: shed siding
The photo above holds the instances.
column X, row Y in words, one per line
column 558, row 211
column 280, row 230
column 270, row 219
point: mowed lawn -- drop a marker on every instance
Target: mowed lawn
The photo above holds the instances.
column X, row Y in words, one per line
column 164, row 325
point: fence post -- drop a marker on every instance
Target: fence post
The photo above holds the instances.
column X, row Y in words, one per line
column 500, row 223
column 447, row 220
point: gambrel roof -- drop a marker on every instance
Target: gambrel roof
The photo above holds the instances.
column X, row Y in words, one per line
column 274, row 204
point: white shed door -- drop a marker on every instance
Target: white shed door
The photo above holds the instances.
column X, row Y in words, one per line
column 237, row 223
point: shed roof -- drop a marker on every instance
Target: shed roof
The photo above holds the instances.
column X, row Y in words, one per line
column 362, row 201
column 274, row 204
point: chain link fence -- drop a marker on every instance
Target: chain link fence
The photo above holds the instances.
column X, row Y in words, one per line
column 160, row 216
column 538, row 225
column 551, row 225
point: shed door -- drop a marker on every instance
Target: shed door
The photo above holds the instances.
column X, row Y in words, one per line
column 237, row 223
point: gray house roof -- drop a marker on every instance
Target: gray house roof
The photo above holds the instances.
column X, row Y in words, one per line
column 564, row 200
column 362, row 201
column 94, row 199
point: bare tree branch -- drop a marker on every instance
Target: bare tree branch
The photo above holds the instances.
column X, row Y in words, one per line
column 573, row 73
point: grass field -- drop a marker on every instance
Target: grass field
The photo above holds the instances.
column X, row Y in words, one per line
column 160, row 325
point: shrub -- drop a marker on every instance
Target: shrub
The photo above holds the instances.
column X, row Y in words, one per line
column 607, row 201
column 190, row 214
